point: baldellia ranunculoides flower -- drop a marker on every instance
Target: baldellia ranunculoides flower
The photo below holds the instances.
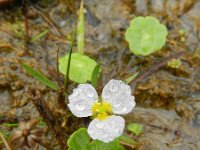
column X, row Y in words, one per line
column 116, row 99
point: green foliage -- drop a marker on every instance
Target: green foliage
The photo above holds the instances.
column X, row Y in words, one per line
column 10, row 124
column 40, row 35
column 145, row 35
column 135, row 128
column 80, row 30
column 82, row 67
column 131, row 78
column 182, row 32
column 174, row 63
column 128, row 140
column 39, row 76
column 17, row 28
column 80, row 140
column 95, row 75
column 98, row 145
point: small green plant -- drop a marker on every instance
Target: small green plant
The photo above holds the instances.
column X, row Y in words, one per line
column 135, row 128
column 81, row 67
column 174, row 63
column 145, row 35
column 106, row 129
column 182, row 34
column 80, row 140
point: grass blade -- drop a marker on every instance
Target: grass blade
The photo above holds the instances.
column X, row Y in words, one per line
column 80, row 30
column 131, row 78
column 10, row 124
column 41, row 34
column 39, row 76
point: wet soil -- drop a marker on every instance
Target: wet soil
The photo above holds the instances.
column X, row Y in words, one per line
column 168, row 100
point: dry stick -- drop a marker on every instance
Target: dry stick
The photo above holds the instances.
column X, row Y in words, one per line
column 47, row 115
column 61, row 97
column 157, row 66
column 6, row 143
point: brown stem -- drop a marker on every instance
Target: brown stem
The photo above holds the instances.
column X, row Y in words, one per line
column 157, row 66
column 47, row 115
column 61, row 97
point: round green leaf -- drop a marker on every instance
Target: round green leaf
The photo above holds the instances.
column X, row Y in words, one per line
column 98, row 145
column 145, row 35
column 78, row 140
column 81, row 67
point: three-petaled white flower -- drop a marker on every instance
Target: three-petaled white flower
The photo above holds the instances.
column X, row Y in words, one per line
column 116, row 98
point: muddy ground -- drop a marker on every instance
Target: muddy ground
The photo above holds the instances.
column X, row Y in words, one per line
column 168, row 100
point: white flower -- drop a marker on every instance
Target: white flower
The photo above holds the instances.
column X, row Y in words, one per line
column 116, row 98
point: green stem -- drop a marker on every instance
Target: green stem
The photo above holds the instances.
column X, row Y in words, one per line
column 69, row 61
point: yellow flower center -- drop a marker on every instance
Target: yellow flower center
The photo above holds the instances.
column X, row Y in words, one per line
column 101, row 110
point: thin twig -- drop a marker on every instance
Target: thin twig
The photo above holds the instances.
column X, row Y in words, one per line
column 157, row 66
column 48, row 116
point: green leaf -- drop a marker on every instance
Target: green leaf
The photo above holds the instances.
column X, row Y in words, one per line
column 10, row 124
column 145, row 35
column 127, row 140
column 98, row 145
column 80, row 30
column 81, row 67
column 95, row 75
column 39, row 76
column 131, row 78
column 36, row 37
column 78, row 140
column 174, row 63
column 135, row 128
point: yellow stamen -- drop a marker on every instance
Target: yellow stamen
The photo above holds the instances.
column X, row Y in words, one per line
column 101, row 110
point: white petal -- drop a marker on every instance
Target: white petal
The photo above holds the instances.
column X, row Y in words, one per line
column 82, row 99
column 119, row 95
column 106, row 130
